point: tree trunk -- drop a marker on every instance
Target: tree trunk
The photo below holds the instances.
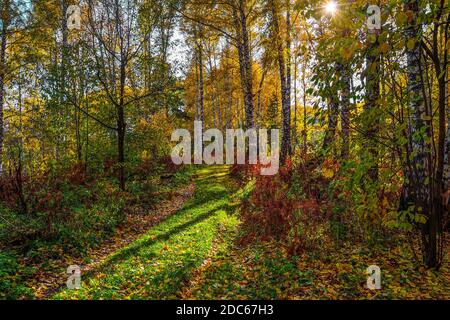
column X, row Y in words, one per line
column 201, row 87
column 288, row 73
column 417, row 177
column 345, row 111
column 60, row 138
column 294, row 125
column 5, row 25
column 435, row 221
column 121, row 126
column 447, row 148
column 121, row 147
column 373, row 61
column 447, row 141
column 285, row 87
column 305, row 114
column 333, row 112
column 245, row 62
column 197, row 90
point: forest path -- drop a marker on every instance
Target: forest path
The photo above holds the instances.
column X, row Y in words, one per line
column 195, row 254
column 159, row 264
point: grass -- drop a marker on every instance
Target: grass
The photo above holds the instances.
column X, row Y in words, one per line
column 159, row 264
column 195, row 254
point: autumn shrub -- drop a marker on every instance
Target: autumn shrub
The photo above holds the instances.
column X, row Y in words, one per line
column 11, row 278
column 144, row 168
column 152, row 179
column 335, row 202
column 168, row 166
column 243, row 173
column 314, row 208
column 76, row 174
column 90, row 225
column 294, row 206
column 364, row 209
column 269, row 210
column 67, row 207
column 12, row 191
column 73, row 209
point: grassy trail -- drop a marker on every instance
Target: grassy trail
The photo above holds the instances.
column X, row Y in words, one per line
column 160, row 264
column 194, row 254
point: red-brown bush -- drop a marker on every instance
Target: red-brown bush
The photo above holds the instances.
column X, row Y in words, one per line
column 269, row 211
column 275, row 210
column 168, row 166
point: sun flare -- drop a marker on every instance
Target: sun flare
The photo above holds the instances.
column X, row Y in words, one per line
column 331, row 7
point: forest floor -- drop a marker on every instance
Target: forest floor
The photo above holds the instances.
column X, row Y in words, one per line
column 196, row 254
column 52, row 276
column 159, row 264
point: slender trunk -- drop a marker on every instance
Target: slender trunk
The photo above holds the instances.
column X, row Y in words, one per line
column 333, row 113
column 447, row 138
column 201, row 96
column 258, row 112
column 345, row 111
column 245, row 62
column 214, row 96
column 435, row 221
column 19, row 186
column 417, row 186
column 289, row 71
column 19, row 86
column 218, row 99
column 258, row 109
column 373, row 62
column 78, row 134
column 121, row 126
column 121, row 147
column 305, row 122
column 64, row 48
column 447, row 146
column 228, row 88
column 197, row 90
column 294, row 129
column 79, row 95
column 5, row 25
column 60, row 138
column 229, row 114
column 442, row 131
column 437, row 211
column 86, row 149
column 285, row 88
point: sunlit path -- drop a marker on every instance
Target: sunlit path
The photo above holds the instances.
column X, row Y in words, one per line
column 158, row 265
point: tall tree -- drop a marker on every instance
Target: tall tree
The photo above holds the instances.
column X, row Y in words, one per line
column 5, row 22
column 240, row 11
column 436, row 49
column 116, row 47
column 371, row 107
column 419, row 168
column 284, row 69
column 345, row 110
column 232, row 19
column 333, row 116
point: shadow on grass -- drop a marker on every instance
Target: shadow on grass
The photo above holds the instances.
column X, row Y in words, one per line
column 134, row 249
column 212, row 197
column 217, row 200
